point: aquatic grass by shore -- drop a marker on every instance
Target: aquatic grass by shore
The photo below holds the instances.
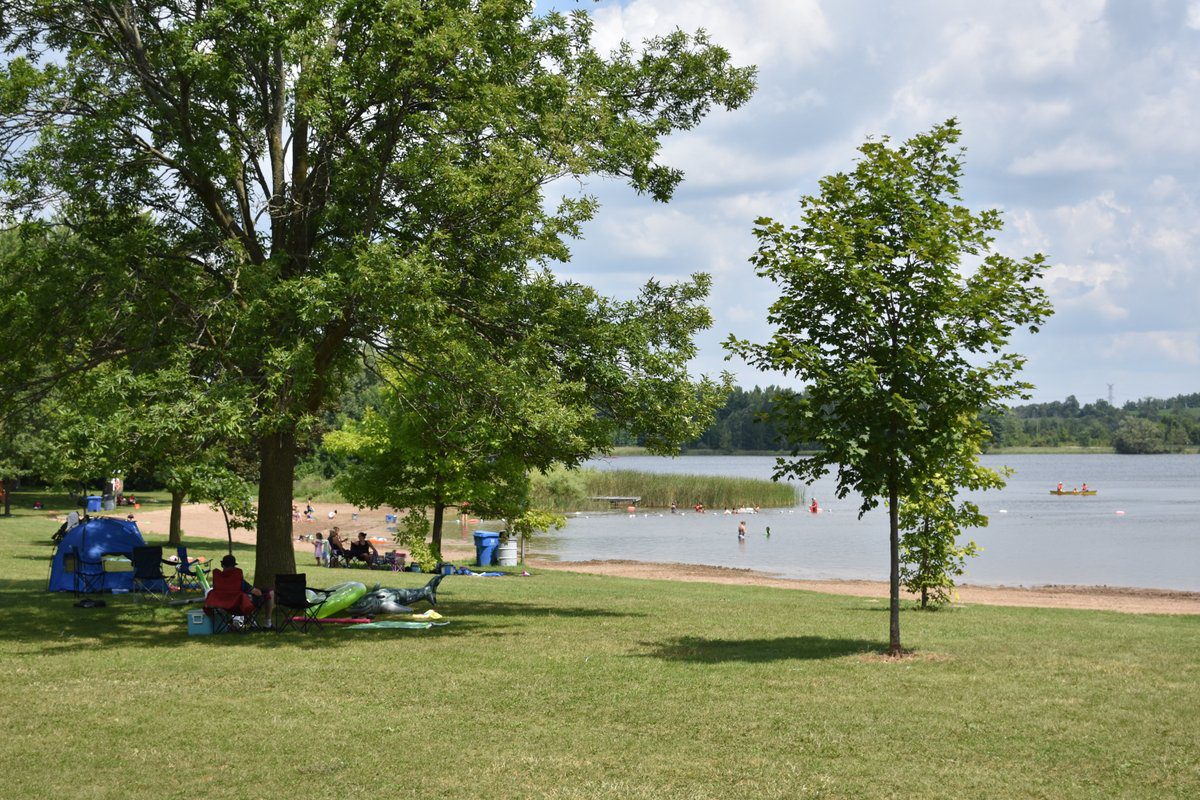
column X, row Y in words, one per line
column 713, row 491
column 571, row 490
column 657, row 689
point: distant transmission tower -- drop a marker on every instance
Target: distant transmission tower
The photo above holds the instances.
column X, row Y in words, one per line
column 1110, row 394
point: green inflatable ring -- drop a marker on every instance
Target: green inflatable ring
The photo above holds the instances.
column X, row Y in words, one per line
column 340, row 597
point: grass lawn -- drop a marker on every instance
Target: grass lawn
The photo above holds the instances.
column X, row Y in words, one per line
column 573, row 686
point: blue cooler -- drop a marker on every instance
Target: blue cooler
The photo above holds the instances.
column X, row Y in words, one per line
column 93, row 503
column 199, row 623
column 486, row 543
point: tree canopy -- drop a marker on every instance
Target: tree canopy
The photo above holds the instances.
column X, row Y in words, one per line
column 277, row 187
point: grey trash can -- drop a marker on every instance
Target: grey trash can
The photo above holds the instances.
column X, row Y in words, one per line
column 506, row 553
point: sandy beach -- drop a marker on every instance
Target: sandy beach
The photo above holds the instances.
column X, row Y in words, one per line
column 200, row 520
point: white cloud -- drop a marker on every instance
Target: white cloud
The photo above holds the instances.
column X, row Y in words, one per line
column 740, row 313
column 1179, row 347
column 1193, row 15
column 1090, row 288
column 762, row 32
column 1087, row 226
column 672, row 234
column 1073, row 155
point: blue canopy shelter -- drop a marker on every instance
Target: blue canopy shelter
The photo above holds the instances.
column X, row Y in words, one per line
column 90, row 542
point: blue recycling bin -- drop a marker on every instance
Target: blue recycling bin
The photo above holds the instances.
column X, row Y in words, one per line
column 486, row 543
column 93, row 503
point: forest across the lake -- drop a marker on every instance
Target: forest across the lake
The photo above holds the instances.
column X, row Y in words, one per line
column 1148, row 425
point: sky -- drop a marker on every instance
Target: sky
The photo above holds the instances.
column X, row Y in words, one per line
column 1081, row 120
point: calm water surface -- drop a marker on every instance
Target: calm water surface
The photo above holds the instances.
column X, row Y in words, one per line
column 1034, row 537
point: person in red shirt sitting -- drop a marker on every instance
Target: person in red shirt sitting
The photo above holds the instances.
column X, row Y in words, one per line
column 231, row 593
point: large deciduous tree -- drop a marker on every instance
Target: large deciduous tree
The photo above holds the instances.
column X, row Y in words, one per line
column 309, row 169
column 896, row 310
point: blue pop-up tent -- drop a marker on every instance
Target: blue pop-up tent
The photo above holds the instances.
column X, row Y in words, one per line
column 93, row 540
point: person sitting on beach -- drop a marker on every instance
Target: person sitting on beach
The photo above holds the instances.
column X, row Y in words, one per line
column 362, row 547
column 231, row 592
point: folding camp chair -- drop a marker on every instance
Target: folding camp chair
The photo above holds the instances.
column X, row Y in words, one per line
column 291, row 601
column 86, row 576
column 147, row 572
column 186, row 576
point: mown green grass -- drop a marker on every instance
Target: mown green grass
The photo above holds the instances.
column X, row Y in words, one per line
column 564, row 685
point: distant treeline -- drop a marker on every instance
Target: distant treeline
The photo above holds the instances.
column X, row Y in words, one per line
column 1141, row 426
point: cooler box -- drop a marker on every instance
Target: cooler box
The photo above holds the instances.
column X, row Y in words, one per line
column 199, row 623
column 486, row 543
column 93, row 503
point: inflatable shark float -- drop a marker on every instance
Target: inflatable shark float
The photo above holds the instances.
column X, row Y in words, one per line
column 382, row 600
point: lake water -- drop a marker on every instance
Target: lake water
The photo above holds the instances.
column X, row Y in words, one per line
column 1141, row 529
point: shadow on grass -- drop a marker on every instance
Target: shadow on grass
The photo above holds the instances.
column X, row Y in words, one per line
column 33, row 620
column 908, row 607
column 489, row 608
column 700, row 650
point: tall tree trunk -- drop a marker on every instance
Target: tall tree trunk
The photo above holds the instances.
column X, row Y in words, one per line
column 275, row 553
column 4, row 491
column 894, row 524
column 439, row 512
column 175, row 536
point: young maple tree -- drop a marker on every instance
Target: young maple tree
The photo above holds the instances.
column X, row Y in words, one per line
column 895, row 310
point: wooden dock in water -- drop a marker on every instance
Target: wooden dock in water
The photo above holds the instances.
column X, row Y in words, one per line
column 618, row 501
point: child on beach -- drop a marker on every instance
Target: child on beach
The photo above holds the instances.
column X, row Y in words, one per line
column 321, row 551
